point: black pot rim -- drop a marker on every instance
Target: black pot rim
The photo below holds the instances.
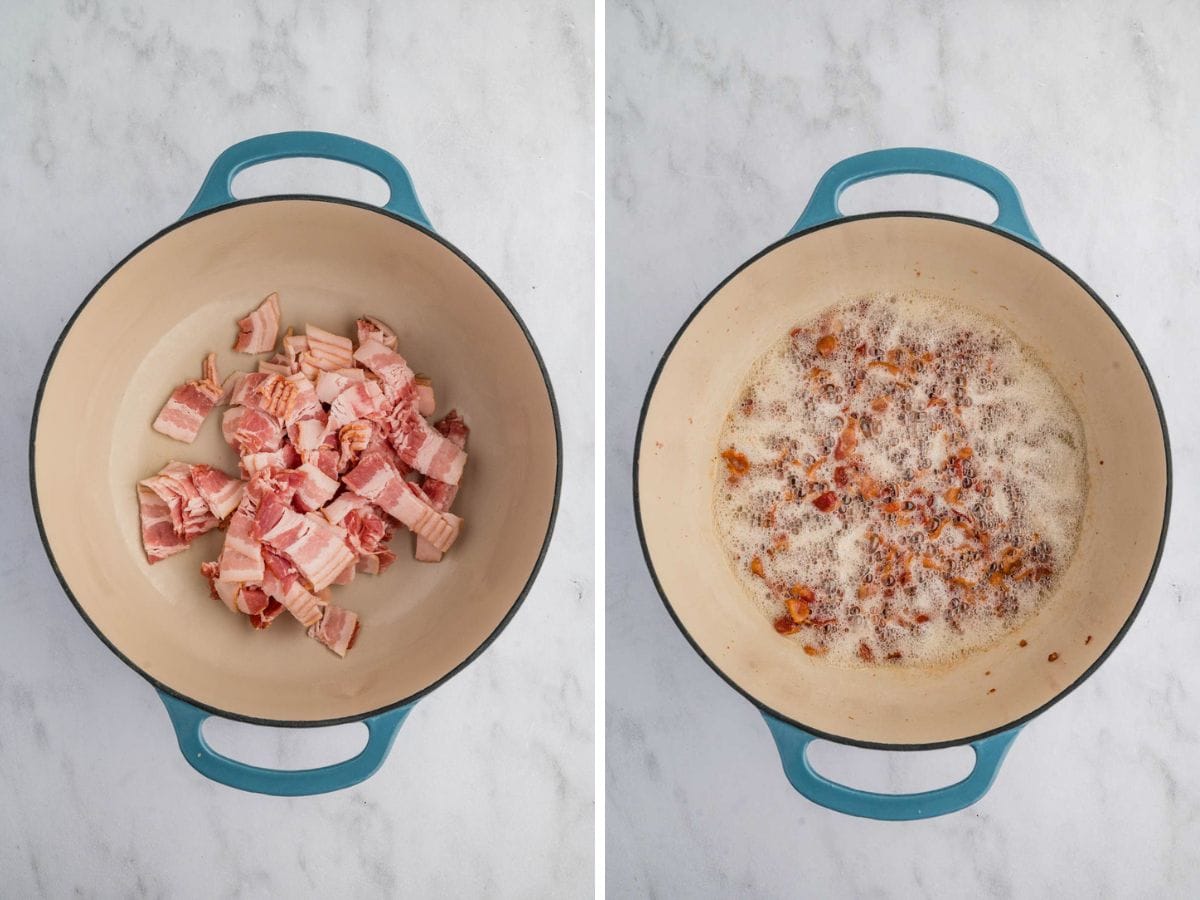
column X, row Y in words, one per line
column 339, row 720
column 878, row 745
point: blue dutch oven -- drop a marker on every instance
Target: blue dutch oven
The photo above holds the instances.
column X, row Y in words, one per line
column 1001, row 270
column 144, row 329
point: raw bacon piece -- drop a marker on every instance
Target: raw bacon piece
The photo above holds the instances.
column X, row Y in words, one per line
column 326, row 351
column 159, row 539
column 424, row 448
column 190, row 515
column 441, row 494
column 370, row 328
column 276, row 365
column 314, row 546
column 305, row 607
column 424, row 393
column 250, row 430
column 270, row 460
column 268, row 615
column 337, row 629
column 375, row 479
column 359, row 401
column 307, row 405
column 315, row 490
column 293, row 346
column 390, row 367
column 352, row 440
column 337, row 510
column 330, row 384
column 257, row 332
column 244, row 391
column 221, row 492
column 277, row 396
column 241, row 558
column 190, row 403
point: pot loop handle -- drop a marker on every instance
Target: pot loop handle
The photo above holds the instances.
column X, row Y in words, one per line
column 823, row 205
column 793, row 750
column 217, row 187
column 188, row 721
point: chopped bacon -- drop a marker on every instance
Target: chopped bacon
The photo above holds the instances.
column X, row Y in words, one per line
column 158, row 534
column 257, row 332
column 426, row 403
column 375, row 478
column 314, row 546
column 370, row 328
column 390, row 367
column 221, row 492
column 330, row 384
column 296, row 524
column 190, row 403
column 337, row 629
column 326, row 351
column 359, row 401
column 424, row 448
column 441, row 494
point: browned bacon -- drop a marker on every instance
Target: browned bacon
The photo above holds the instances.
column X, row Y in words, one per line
column 257, row 332
column 190, row 403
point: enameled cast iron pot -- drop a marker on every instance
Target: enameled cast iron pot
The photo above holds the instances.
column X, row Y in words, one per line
column 145, row 328
column 1001, row 270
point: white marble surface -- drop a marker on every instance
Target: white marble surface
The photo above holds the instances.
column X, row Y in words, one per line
column 719, row 124
column 110, row 114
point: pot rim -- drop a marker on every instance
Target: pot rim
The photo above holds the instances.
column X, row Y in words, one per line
column 339, row 720
column 880, row 745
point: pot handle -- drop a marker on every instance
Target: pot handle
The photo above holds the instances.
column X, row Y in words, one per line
column 188, row 719
column 823, row 205
column 217, row 187
column 793, row 750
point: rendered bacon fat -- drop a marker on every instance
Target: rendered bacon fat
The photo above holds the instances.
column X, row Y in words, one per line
column 328, row 431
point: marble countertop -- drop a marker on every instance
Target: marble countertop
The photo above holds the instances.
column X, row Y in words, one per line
column 110, row 115
column 718, row 126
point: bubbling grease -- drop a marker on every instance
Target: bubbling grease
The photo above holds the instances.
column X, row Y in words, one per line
column 907, row 474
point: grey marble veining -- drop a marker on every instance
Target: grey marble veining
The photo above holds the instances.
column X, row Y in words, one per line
column 110, row 114
column 718, row 125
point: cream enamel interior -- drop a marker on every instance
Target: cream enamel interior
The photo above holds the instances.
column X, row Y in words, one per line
column 1080, row 345
column 146, row 330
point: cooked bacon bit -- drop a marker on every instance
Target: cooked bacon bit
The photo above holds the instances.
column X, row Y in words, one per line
column 930, row 563
column 811, row 472
column 991, row 690
column 1052, row 657
column 964, row 583
column 864, row 652
column 1088, row 641
column 800, row 592
column 1022, row 643
column 840, row 478
column 785, row 625
column 736, row 462
column 895, row 654
column 826, row 502
column 847, row 441
column 952, row 494
column 799, row 611
column 756, row 566
column 965, row 453
column 879, row 404
column 827, row 345
column 861, row 349
column 257, row 332
column 815, row 651
column 921, row 618
column 891, row 368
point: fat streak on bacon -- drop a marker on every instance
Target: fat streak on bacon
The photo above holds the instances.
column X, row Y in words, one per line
column 327, row 431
